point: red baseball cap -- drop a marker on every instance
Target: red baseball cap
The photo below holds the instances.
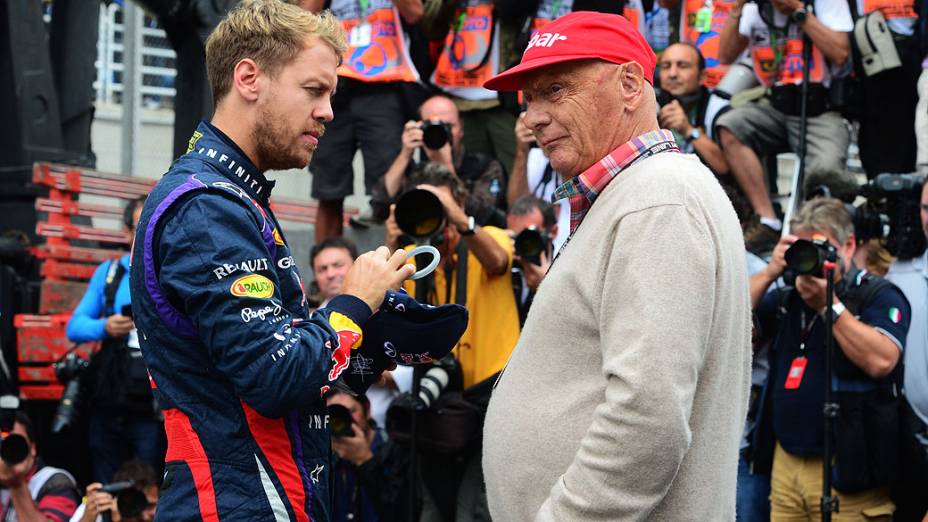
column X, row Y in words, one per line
column 578, row 36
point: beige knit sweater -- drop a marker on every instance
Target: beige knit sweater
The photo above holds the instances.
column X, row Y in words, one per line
column 626, row 395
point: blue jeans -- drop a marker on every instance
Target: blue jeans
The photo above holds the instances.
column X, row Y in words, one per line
column 752, row 503
column 115, row 440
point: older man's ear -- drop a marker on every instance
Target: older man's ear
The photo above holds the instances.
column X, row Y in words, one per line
column 632, row 82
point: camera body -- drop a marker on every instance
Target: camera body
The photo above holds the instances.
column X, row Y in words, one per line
column 340, row 421
column 69, row 371
column 530, row 243
column 436, row 134
column 130, row 500
column 891, row 214
column 13, row 447
column 420, row 214
column 806, row 257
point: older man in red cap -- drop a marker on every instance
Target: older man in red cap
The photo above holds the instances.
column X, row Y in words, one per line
column 626, row 395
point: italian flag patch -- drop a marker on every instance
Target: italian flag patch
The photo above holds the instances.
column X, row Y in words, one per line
column 895, row 315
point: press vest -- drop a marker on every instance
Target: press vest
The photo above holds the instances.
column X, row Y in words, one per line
column 470, row 55
column 378, row 49
column 701, row 24
column 778, row 57
column 549, row 11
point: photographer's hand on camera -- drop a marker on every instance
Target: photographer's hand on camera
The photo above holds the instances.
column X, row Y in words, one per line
column 490, row 254
column 98, row 502
column 532, row 272
column 812, row 291
column 356, row 449
column 16, row 476
column 412, row 137
column 524, row 135
column 774, row 269
column 672, row 116
column 373, row 273
column 518, row 179
column 118, row 325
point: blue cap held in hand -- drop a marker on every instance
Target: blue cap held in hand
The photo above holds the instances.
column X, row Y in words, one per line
column 406, row 332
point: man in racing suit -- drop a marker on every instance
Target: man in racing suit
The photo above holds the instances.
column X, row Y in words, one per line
column 236, row 361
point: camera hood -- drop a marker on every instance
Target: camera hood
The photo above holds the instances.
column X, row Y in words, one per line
column 420, row 214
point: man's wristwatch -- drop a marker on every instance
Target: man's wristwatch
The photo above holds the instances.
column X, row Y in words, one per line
column 694, row 135
column 837, row 309
column 799, row 15
column 471, row 227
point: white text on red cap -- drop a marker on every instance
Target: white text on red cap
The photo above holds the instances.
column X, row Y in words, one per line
column 544, row 40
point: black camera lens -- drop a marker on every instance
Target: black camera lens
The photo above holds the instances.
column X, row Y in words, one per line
column 14, row 449
column 806, row 257
column 131, row 503
column 340, row 421
column 419, row 213
column 435, row 135
column 530, row 243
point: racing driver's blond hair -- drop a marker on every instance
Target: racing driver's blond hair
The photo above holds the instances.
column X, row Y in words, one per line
column 270, row 32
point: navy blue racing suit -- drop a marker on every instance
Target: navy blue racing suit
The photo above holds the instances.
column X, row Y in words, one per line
column 236, row 361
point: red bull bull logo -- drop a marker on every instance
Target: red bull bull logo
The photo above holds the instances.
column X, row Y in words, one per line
column 349, row 338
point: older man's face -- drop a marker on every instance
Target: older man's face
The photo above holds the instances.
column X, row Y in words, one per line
column 574, row 110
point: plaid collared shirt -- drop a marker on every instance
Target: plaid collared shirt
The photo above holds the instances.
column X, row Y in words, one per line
column 585, row 188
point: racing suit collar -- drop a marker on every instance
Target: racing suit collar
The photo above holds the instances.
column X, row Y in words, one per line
column 212, row 146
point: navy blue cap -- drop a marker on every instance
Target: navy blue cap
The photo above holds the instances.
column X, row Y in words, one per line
column 406, row 332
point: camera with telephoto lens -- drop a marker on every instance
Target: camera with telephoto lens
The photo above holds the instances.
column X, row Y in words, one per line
column 340, row 421
column 420, row 214
column 891, row 214
column 69, row 370
column 13, row 448
column 436, row 134
column 806, row 257
column 432, row 384
column 530, row 243
column 130, row 500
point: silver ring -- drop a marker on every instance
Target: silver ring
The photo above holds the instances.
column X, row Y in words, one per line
column 425, row 249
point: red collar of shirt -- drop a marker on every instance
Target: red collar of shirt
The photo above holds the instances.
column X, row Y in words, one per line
column 585, row 188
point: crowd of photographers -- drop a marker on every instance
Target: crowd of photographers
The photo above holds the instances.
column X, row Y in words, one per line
column 454, row 165
column 466, row 176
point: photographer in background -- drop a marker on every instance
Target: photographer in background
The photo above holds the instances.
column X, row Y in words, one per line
column 31, row 491
column 330, row 260
column 440, row 137
column 871, row 318
column 476, row 264
column 135, row 503
column 684, row 104
column 773, row 30
column 123, row 421
column 370, row 105
column 911, row 276
column 529, row 220
column 370, row 471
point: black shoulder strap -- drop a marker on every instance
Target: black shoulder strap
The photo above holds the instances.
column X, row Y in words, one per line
column 858, row 295
column 460, row 275
column 114, row 276
column 852, row 5
column 546, row 178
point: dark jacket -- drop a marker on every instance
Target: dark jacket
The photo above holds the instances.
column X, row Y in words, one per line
column 236, row 361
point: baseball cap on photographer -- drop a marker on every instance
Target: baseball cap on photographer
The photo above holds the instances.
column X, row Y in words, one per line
column 579, row 36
